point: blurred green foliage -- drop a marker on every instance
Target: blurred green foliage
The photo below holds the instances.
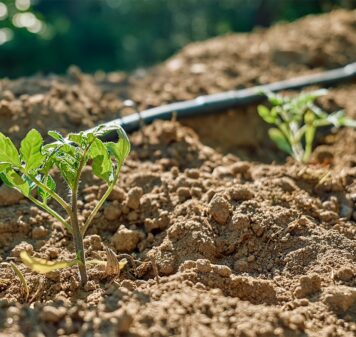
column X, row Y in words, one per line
column 126, row 34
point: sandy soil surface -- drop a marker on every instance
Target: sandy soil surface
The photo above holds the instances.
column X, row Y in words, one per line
column 225, row 241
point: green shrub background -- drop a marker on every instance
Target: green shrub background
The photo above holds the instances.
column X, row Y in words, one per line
column 125, row 34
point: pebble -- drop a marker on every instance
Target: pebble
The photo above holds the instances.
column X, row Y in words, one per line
column 219, row 209
column 126, row 240
column 112, row 211
column 134, row 197
column 52, row 314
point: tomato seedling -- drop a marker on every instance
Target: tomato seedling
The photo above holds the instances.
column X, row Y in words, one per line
column 296, row 120
column 29, row 171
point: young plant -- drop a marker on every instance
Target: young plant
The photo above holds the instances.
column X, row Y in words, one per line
column 29, row 172
column 296, row 120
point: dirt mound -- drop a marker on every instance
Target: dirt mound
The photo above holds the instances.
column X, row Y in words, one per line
column 220, row 246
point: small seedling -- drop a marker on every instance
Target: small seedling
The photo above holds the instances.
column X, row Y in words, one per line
column 296, row 120
column 29, row 172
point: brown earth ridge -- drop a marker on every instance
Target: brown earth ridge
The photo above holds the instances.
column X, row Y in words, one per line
column 243, row 246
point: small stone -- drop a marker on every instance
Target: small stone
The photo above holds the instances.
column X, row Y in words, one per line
column 112, row 212
column 328, row 216
column 240, row 167
column 241, row 193
column 134, row 197
column 183, row 193
column 90, row 197
column 186, row 265
column 340, row 298
column 345, row 274
column 219, row 209
column 197, row 192
column 203, row 265
column 240, row 221
column 39, row 233
column 126, row 240
column 192, row 173
column 132, row 216
column 51, row 314
column 221, row 270
column 117, row 194
column 95, row 242
column 309, row 284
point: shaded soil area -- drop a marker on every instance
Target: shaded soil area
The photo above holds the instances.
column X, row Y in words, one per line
column 224, row 241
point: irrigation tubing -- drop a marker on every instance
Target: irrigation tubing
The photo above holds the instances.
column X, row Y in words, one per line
column 225, row 100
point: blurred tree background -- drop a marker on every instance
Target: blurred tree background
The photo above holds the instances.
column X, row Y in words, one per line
column 49, row 35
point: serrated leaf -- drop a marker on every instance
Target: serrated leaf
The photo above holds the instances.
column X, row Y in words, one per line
column 280, row 140
column 56, row 135
column 12, row 179
column 51, row 184
column 8, row 151
column 102, row 165
column 43, row 266
column 31, row 150
column 265, row 114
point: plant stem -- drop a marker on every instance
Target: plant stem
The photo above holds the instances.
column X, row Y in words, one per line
column 79, row 247
column 77, row 235
column 101, row 201
column 51, row 212
column 54, row 195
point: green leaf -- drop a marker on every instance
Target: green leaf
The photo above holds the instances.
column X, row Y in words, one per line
column 280, row 140
column 102, row 165
column 12, row 179
column 4, row 166
column 67, row 171
column 349, row 122
column 265, row 114
column 31, row 150
column 56, row 135
column 78, row 138
column 8, row 152
column 337, row 118
column 51, row 185
column 121, row 149
column 275, row 99
column 43, row 266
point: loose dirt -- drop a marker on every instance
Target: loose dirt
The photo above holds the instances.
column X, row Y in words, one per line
column 224, row 241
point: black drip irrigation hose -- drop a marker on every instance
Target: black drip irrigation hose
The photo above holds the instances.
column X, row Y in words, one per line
column 225, row 100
